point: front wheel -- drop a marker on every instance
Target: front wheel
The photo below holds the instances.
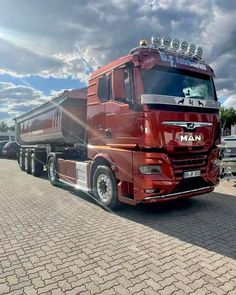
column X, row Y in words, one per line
column 105, row 187
column 52, row 171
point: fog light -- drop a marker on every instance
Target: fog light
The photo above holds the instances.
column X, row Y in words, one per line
column 150, row 191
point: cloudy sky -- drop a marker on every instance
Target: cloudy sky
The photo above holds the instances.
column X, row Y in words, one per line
column 49, row 46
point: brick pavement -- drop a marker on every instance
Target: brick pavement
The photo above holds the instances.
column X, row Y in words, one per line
column 53, row 241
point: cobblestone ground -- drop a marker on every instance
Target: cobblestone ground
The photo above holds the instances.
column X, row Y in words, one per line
column 55, row 241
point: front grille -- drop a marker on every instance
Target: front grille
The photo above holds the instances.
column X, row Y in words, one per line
column 182, row 163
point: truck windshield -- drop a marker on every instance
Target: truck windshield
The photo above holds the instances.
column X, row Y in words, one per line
column 176, row 82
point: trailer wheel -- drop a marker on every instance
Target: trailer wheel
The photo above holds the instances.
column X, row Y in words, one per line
column 22, row 160
column 27, row 162
column 105, row 187
column 52, row 171
column 36, row 164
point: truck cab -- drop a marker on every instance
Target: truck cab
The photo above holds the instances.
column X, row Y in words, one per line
column 153, row 115
column 146, row 129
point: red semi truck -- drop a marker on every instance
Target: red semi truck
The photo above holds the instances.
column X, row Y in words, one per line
column 145, row 130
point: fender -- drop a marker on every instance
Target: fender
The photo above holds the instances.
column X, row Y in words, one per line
column 108, row 159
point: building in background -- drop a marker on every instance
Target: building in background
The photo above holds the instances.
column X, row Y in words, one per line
column 7, row 135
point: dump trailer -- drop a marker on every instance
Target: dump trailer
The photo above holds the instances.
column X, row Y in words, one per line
column 145, row 130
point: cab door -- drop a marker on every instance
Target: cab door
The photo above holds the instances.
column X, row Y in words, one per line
column 120, row 116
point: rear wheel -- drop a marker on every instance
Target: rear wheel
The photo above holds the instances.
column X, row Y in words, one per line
column 27, row 162
column 36, row 164
column 22, row 160
column 105, row 187
column 52, row 171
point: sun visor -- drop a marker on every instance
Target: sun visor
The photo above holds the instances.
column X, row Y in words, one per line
column 150, row 63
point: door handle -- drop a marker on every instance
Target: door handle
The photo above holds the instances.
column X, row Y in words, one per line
column 108, row 133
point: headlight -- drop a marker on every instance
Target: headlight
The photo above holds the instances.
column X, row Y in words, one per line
column 150, row 169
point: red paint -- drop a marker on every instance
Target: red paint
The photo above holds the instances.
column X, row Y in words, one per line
column 58, row 121
column 128, row 134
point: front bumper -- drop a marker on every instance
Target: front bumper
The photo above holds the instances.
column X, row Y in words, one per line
column 179, row 195
column 168, row 186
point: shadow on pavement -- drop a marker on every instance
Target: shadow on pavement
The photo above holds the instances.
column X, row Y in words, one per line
column 207, row 221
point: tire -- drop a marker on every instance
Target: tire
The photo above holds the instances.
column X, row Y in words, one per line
column 27, row 163
column 52, row 171
column 105, row 187
column 22, row 160
column 36, row 164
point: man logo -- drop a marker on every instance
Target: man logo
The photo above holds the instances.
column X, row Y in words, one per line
column 190, row 125
column 190, row 138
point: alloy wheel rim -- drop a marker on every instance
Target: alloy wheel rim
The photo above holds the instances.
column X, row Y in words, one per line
column 52, row 172
column 26, row 163
column 20, row 161
column 104, row 188
column 32, row 164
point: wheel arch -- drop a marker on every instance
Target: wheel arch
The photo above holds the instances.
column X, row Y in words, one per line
column 103, row 160
column 54, row 155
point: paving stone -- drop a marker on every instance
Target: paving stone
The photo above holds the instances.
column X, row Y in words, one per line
column 52, row 241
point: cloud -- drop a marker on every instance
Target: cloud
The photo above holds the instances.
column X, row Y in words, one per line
column 9, row 92
column 230, row 101
column 17, row 99
column 21, row 62
column 54, row 39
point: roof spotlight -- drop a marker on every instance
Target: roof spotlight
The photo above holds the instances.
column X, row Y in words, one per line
column 184, row 46
column 199, row 52
column 175, row 45
column 166, row 42
column 156, row 40
column 191, row 49
column 143, row 43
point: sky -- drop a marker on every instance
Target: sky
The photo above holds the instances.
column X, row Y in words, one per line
column 49, row 46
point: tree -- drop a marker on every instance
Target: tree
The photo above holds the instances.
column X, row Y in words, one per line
column 227, row 117
column 11, row 128
column 3, row 126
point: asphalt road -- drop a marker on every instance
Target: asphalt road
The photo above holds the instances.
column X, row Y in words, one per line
column 57, row 241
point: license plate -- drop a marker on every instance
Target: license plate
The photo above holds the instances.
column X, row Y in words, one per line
column 189, row 174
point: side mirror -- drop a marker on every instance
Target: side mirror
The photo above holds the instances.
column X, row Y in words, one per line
column 118, row 84
column 103, row 92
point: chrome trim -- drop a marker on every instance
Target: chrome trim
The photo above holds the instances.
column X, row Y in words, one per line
column 178, row 101
column 76, row 186
column 188, row 125
column 177, row 194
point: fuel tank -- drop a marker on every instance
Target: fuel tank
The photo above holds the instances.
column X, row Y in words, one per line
column 59, row 121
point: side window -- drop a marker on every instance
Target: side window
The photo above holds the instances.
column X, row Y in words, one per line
column 128, row 85
column 110, row 94
column 103, row 88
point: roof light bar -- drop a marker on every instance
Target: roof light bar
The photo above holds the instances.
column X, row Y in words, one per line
column 156, row 41
column 165, row 42
column 175, row 45
column 183, row 47
column 192, row 49
column 199, row 53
